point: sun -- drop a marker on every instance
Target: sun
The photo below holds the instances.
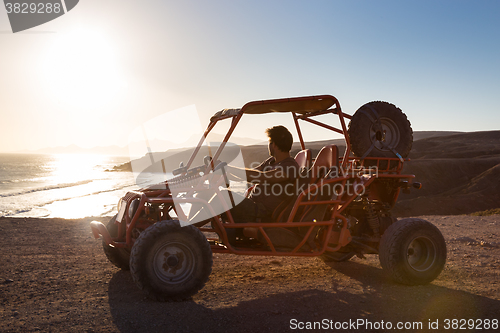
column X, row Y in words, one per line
column 81, row 68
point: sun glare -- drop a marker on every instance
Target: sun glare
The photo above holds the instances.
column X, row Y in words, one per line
column 67, row 168
column 81, row 68
column 76, row 175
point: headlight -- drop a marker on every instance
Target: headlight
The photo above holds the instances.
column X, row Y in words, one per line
column 133, row 207
column 119, row 204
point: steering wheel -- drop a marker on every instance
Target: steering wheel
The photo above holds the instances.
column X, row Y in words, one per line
column 220, row 166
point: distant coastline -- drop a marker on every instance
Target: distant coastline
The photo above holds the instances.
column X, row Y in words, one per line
column 460, row 171
column 257, row 153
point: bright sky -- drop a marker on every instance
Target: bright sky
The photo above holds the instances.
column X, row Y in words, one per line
column 93, row 75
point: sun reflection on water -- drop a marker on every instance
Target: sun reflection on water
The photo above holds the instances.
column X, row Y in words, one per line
column 82, row 180
column 64, row 185
column 67, row 168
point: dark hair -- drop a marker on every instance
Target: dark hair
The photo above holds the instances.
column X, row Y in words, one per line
column 281, row 137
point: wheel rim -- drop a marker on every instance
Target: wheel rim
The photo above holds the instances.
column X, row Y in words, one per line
column 421, row 254
column 173, row 263
column 385, row 136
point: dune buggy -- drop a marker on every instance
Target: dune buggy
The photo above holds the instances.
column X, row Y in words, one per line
column 343, row 208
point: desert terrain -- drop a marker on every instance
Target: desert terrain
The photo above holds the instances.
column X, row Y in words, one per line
column 56, row 278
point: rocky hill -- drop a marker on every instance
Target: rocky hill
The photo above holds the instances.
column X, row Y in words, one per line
column 460, row 172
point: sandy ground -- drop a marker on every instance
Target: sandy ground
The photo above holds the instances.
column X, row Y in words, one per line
column 55, row 278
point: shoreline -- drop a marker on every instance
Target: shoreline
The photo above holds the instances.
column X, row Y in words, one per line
column 488, row 212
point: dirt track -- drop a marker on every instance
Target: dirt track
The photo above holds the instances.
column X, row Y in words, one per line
column 55, row 278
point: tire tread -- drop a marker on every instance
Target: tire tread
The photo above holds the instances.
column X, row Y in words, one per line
column 359, row 130
column 147, row 238
column 390, row 256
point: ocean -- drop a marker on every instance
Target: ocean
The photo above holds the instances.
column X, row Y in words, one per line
column 65, row 186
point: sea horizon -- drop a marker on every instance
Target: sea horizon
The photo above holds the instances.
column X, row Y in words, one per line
column 61, row 185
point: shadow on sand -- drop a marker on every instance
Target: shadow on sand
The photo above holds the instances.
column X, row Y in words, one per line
column 379, row 300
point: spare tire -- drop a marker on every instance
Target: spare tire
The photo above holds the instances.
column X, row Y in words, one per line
column 380, row 129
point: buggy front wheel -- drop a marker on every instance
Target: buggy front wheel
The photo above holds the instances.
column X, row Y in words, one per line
column 170, row 262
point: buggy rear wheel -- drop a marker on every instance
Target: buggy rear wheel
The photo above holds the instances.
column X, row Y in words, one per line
column 170, row 262
column 117, row 256
column 412, row 251
column 379, row 129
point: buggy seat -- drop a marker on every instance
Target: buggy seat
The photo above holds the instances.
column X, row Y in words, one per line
column 325, row 164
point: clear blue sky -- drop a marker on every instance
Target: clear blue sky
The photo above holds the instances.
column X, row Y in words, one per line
column 93, row 75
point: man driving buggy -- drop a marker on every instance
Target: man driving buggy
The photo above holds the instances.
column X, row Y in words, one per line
column 274, row 180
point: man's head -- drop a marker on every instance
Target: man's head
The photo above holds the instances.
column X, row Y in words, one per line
column 281, row 138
